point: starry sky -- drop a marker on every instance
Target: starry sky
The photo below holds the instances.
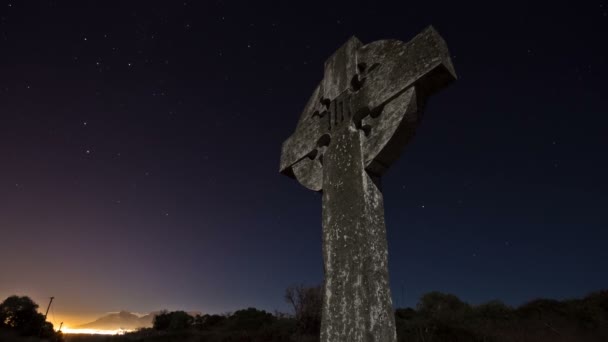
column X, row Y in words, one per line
column 140, row 145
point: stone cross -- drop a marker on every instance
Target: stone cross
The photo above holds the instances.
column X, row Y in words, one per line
column 354, row 126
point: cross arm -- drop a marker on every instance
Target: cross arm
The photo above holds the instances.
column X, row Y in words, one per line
column 389, row 67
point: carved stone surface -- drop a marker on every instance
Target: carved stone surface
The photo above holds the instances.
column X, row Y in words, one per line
column 354, row 126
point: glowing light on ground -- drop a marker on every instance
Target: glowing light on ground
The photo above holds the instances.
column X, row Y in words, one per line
column 67, row 330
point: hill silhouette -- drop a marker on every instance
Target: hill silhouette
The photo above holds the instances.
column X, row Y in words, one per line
column 124, row 320
column 119, row 320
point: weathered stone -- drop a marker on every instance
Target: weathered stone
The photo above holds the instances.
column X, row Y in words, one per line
column 357, row 299
column 352, row 129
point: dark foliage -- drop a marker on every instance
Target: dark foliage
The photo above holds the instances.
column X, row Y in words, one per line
column 19, row 316
column 176, row 320
column 248, row 320
column 444, row 317
column 208, row 322
column 307, row 305
column 437, row 317
column 250, row 325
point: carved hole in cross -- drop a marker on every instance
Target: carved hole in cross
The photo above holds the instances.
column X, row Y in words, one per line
column 356, row 83
column 360, row 123
column 322, row 145
column 361, row 67
column 376, row 112
column 367, row 130
column 325, row 102
column 324, row 140
column 365, row 119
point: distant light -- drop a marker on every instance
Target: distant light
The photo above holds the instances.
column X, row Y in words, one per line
column 66, row 330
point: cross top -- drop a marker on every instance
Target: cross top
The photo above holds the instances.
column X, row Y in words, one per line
column 381, row 89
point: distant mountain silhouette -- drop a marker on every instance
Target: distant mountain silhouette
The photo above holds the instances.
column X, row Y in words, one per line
column 124, row 320
column 120, row 320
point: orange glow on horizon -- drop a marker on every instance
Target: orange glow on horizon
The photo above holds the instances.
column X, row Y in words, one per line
column 68, row 330
column 70, row 320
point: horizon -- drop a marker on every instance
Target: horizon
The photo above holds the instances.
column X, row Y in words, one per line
column 75, row 320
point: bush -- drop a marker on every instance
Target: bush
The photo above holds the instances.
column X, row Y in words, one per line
column 20, row 315
column 176, row 320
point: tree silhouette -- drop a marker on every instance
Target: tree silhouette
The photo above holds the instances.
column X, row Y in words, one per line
column 250, row 319
column 208, row 322
column 20, row 314
column 175, row 320
column 307, row 305
column 443, row 306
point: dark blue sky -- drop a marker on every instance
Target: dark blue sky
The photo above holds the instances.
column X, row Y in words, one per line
column 140, row 145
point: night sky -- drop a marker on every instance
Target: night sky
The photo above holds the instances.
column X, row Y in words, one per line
column 140, row 146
